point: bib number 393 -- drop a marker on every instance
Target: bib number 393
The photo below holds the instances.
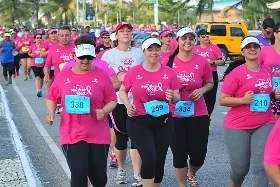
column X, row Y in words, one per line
column 156, row 108
column 76, row 104
column 261, row 103
column 184, row 108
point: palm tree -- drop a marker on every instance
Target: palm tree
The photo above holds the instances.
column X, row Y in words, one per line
column 63, row 11
column 34, row 8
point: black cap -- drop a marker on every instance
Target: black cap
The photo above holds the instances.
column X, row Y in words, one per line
column 202, row 32
column 26, row 29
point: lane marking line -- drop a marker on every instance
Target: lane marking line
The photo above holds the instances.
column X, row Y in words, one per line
column 30, row 177
column 50, row 142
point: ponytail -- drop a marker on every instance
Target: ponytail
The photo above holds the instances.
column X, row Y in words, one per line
column 171, row 58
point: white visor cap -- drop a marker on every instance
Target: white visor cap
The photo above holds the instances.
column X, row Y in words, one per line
column 185, row 30
column 147, row 43
column 248, row 40
column 85, row 49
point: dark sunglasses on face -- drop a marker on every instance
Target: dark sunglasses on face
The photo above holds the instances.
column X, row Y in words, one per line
column 86, row 57
column 38, row 37
column 105, row 37
column 204, row 35
column 268, row 32
column 249, row 46
column 53, row 32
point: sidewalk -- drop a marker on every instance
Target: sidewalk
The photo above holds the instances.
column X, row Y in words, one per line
column 11, row 170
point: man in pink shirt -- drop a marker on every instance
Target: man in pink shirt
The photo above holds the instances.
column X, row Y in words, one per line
column 59, row 53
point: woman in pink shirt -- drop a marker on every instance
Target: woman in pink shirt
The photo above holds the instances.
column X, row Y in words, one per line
column 191, row 129
column 166, row 50
column 247, row 90
column 213, row 55
column 272, row 155
column 149, row 125
column 37, row 63
column 270, row 60
column 24, row 46
column 87, row 96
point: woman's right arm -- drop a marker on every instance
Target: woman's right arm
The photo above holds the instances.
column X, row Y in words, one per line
column 230, row 101
column 273, row 173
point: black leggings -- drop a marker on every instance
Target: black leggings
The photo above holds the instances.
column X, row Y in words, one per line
column 152, row 137
column 190, row 139
column 120, row 118
column 87, row 160
column 8, row 67
column 210, row 97
column 16, row 62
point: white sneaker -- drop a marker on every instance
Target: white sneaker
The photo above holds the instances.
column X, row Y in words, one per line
column 137, row 180
column 121, row 177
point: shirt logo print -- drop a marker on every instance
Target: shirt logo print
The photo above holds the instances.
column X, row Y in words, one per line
column 185, row 78
column 196, row 66
column 165, row 77
column 68, row 81
column 138, row 77
column 263, row 84
column 80, row 90
column 248, row 77
column 95, row 80
column 57, row 51
column 152, row 88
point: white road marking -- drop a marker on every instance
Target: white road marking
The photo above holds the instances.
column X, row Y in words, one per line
column 224, row 113
column 52, row 145
column 30, row 177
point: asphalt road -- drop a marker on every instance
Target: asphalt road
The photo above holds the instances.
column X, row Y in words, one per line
column 42, row 143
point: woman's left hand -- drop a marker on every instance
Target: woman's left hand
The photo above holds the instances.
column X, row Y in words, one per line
column 277, row 93
column 197, row 94
column 100, row 114
column 169, row 94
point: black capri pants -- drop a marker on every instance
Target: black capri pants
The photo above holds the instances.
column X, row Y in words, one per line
column 8, row 67
column 87, row 160
column 190, row 139
column 210, row 97
column 152, row 137
column 38, row 71
column 16, row 62
column 120, row 118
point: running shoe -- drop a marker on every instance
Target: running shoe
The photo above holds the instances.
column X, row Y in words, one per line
column 29, row 75
column 192, row 182
column 210, row 127
column 121, row 177
column 17, row 74
column 7, row 83
column 14, row 75
column 10, row 80
column 57, row 111
column 25, row 79
column 39, row 93
column 113, row 161
column 137, row 180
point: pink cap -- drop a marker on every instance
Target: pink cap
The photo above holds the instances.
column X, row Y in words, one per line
column 164, row 33
column 52, row 30
column 122, row 24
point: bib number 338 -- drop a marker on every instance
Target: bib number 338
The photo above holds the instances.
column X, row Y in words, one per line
column 156, row 108
column 76, row 104
column 261, row 103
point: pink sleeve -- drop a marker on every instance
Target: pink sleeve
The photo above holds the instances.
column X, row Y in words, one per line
column 165, row 61
column 230, row 84
column 49, row 59
column 109, row 90
column 54, row 93
column 175, row 84
column 272, row 148
column 45, row 45
column 207, row 72
column 217, row 52
column 108, row 69
column 100, row 54
column 127, row 82
column 261, row 57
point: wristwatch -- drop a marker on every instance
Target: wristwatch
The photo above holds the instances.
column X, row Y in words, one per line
column 214, row 62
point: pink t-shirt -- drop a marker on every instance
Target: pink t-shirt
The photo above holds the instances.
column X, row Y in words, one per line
column 236, row 84
column 164, row 57
column 148, row 86
column 36, row 51
column 272, row 148
column 174, row 43
column 59, row 54
column 100, row 54
column 26, row 43
column 270, row 60
column 192, row 75
column 76, row 127
column 98, row 63
column 211, row 52
column 47, row 44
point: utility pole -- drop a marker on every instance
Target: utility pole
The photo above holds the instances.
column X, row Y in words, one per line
column 156, row 12
column 77, row 12
column 120, row 11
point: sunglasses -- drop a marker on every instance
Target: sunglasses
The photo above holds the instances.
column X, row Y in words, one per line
column 249, row 46
column 268, row 32
column 38, row 37
column 105, row 37
column 204, row 35
column 53, row 32
column 65, row 27
column 86, row 57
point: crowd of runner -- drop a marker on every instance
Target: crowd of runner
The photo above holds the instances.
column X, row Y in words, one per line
column 156, row 96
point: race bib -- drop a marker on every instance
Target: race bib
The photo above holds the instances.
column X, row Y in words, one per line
column 261, row 103
column 156, row 108
column 39, row 60
column 184, row 108
column 76, row 104
column 25, row 49
column 15, row 53
column 276, row 82
column 52, row 68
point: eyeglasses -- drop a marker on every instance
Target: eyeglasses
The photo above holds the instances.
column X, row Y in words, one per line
column 268, row 32
column 38, row 37
column 204, row 35
column 53, row 32
column 65, row 27
column 249, row 46
column 105, row 37
column 86, row 57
